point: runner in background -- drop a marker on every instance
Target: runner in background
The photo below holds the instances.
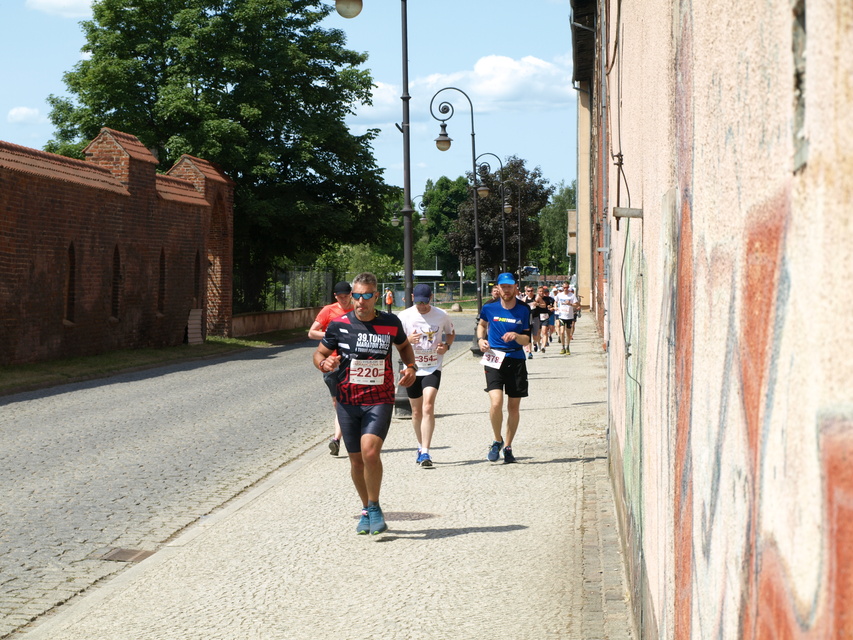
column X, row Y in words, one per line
column 529, row 298
column 343, row 304
column 430, row 332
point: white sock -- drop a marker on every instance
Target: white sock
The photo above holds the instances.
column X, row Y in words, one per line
column 424, row 450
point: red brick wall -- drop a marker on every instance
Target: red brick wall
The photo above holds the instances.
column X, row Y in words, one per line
column 113, row 201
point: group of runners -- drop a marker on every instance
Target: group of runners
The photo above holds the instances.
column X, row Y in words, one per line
column 355, row 356
column 553, row 308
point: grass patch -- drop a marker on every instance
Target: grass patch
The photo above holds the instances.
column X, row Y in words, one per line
column 54, row 372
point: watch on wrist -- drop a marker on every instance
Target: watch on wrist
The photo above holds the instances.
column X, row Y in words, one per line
column 412, row 366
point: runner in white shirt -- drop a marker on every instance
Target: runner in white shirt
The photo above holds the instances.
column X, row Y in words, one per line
column 566, row 303
column 430, row 332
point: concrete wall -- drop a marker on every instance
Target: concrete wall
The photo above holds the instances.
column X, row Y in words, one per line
column 730, row 341
column 250, row 324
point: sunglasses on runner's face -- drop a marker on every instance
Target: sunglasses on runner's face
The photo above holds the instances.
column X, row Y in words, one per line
column 366, row 296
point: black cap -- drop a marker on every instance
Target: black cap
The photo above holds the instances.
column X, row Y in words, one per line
column 342, row 287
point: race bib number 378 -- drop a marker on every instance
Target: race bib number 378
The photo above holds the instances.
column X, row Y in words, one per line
column 493, row 358
column 369, row 372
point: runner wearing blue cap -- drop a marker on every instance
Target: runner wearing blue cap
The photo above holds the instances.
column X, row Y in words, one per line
column 502, row 333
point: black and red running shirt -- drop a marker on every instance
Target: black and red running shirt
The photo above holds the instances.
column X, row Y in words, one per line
column 357, row 340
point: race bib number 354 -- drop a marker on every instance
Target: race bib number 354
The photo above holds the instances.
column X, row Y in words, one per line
column 426, row 359
column 369, row 372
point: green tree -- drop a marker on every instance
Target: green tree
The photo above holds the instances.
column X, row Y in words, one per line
column 382, row 255
column 440, row 210
column 528, row 193
column 550, row 255
column 256, row 86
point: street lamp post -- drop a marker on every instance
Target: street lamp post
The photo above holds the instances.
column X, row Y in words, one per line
column 443, row 143
column 350, row 9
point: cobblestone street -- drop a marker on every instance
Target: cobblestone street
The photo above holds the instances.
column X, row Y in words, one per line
column 129, row 461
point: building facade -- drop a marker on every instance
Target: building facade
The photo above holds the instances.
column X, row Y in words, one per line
column 717, row 184
column 107, row 254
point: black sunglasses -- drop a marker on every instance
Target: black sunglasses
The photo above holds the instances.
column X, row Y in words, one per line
column 366, row 296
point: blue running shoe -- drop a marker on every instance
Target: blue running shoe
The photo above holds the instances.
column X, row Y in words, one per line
column 495, row 451
column 425, row 461
column 363, row 527
column 418, row 460
column 377, row 520
column 508, row 456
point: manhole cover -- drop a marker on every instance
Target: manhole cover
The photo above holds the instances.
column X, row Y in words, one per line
column 126, row 555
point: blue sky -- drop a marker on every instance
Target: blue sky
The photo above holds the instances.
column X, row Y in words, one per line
column 513, row 62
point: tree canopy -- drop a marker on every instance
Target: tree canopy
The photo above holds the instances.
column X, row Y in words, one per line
column 527, row 191
column 550, row 255
column 256, row 86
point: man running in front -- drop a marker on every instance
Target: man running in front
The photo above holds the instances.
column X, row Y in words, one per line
column 363, row 339
column 430, row 332
column 503, row 331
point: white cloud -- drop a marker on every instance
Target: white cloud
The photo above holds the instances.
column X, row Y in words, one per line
column 64, row 8
column 24, row 115
column 385, row 107
column 503, row 83
column 496, row 83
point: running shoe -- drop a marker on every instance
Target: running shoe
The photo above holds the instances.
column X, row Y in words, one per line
column 562, row 352
column 495, row 451
column 377, row 520
column 418, row 456
column 334, row 446
column 535, row 347
column 508, row 457
column 530, row 356
column 568, row 352
column 363, row 527
column 425, row 461
column 543, row 350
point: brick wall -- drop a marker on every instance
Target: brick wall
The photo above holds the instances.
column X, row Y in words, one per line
column 105, row 253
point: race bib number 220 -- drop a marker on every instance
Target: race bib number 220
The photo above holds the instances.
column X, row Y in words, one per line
column 369, row 372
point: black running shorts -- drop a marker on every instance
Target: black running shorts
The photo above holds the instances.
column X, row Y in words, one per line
column 358, row 420
column 510, row 378
column 430, row 380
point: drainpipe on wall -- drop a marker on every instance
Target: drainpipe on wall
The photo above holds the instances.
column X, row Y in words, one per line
column 602, row 28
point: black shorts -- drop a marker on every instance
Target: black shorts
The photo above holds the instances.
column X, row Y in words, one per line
column 430, row 380
column 510, row 378
column 357, row 420
column 567, row 323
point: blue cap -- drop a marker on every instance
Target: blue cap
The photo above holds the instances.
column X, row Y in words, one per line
column 506, row 278
column 422, row 293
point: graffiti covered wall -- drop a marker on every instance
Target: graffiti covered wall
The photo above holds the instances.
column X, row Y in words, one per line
column 731, row 351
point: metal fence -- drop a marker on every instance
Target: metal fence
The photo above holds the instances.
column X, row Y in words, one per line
column 299, row 287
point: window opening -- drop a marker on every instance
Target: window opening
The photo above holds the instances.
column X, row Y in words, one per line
column 116, row 288
column 70, row 284
column 161, row 287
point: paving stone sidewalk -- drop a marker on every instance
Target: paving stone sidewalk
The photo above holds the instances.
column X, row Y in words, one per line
column 522, row 551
